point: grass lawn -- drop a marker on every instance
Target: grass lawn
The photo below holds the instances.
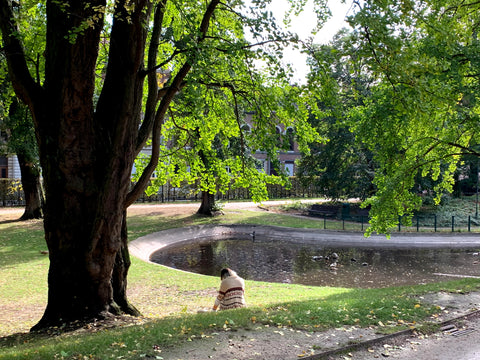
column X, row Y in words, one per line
column 169, row 299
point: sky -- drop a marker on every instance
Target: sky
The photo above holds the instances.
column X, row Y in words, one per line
column 303, row 25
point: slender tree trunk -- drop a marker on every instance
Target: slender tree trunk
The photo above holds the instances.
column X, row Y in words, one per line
column 207, row 206
column 22, row 141
column 32, row 188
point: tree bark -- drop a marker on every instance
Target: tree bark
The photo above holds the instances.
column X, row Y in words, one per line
column 119, row 275
column 87, row 149
column 87, row 153
column 207, row 206
column 32, row 188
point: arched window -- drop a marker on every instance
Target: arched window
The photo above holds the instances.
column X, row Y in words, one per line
column 291, row 139
column 278, row 132
column 246, row 128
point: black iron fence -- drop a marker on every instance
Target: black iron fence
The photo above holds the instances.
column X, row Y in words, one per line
column 11, row 193
column 167, row 193
column 419, row 223
column 434, row 222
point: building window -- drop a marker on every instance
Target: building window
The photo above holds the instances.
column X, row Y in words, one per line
column 291, row 139
column 289, row 168
column 272, row 170
column 3, row 167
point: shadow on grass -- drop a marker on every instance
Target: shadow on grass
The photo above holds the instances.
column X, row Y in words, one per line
column 21, row 242
column 395, row 308
column 10, row 221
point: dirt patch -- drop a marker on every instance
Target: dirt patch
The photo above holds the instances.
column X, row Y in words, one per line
column 9, row 214
column 170, row 209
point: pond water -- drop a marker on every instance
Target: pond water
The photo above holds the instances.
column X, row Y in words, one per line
column 320, row 266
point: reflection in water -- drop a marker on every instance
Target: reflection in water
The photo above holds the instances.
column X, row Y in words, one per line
column 310, row 265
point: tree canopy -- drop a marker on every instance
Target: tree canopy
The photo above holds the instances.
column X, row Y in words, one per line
column 105, row 78
column 342, row 167
column 423, row 111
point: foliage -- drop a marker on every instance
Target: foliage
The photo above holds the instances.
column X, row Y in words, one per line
column 204, row 138
column 212, row 146
column 110, row 76
column 423, row 111
column 16, row 118
column 296, row 205
column 342, row 166
column 461, row 209
column 21, row 133
column 10, row 187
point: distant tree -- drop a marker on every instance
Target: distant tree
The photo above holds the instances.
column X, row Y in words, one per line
column 216, row 159
column 17, row 123
column 342, row 166
column 422, row 115
column 22, row 142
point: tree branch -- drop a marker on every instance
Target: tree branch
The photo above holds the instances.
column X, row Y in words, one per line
column 23, row 83
column 176, row 85
column 152, row 97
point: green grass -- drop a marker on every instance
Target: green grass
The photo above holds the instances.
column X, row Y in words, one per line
column 169, row 299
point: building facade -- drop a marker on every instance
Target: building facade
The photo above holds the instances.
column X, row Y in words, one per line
column 9, row 167
column 287, row 158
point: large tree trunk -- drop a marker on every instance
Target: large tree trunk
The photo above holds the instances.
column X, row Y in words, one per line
column 32, row 188
column 87, row 155
column 87, row 148
column 207, row 206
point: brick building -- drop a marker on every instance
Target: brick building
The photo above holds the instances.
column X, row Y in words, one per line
column 287, row 158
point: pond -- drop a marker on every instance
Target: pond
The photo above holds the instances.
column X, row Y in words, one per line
column 321, row 266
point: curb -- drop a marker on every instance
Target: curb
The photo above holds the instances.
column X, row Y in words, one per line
column 382, row 340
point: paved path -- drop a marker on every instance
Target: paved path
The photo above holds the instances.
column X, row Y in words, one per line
column 144, row 246
column 461, row 342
